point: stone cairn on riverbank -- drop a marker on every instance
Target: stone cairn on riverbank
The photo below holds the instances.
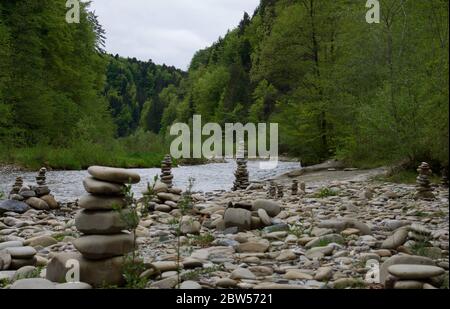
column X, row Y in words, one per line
column 35, row 196
column 16, row 187
column 272, row 191
column 424, row 190
column 280, row 191
column 294, row 187
column 14, row 255
column 241, row 174
column 166, row 171
column 413, row 276
column 102, row 222
column 41, row 177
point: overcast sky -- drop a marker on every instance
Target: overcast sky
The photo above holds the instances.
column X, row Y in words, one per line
column 167, row 31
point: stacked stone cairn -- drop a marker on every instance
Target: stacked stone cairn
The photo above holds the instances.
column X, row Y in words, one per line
column 35, row 196
column 41, row 178
column 424, row 190
column 413, row 276
column 105, row 240
column 272, row 192
column 241, row 174
column 14, row 255
column 280, row 191
column 294, row 187
column 166, row 171
column 16, row 187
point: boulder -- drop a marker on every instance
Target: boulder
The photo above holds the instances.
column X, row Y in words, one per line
column 97, row 247
column 100, row 222
column 272, row 208
column 96, row 273
column 240, row 218
column 93, row 202
column 37, row 203
column 409, row 272
column 43, row 241
column 13, row 206
column 402, row 259
column 99, row 187
column 50, row 200
column 117, row 175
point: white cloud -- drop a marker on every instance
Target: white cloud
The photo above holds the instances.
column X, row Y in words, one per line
column 167, row 31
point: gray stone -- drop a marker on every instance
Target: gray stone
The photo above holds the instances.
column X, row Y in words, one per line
column 13, row 206
column 43, row 241
column 242, row 273
column 18, row 263
column 240, row 218
column 97, row 247
column 408, row 271
column 50, row 200
column 117, row 175
column 21, row 252
column 91, row 222
column 402, row 259
column 96, row 273
column 397, row 239
column 41, row 191
column 27, row 194
column 37, row 203
column 272, row 208
column 10, row 244
column 253, row 246
column 32, row 284
column 24, row 272
column 408, row 285
column 168, row 283
column 319, row 252
column 190, row 285
column 93, row 202
column 189, row 225
column 324, row 274
column 5, row 260
column 73, row 286
column 325, row 239
column 265, row 219
column 95, row 186
column 169, row 197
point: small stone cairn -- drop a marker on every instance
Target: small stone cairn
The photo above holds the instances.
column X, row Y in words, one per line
column 14, row 255
column 280, row 191
column 272, row 192
column 41, row 178
column 242, row 176
column 413, row 276
column 294, row 187
column 35, row 196
column 101, row 221
column 17, row 186
column 424, row 190
column 166, row 171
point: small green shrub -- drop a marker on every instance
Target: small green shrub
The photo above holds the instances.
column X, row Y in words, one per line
column 326, row 192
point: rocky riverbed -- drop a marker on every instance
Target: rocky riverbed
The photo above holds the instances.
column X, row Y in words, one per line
column 345, row 230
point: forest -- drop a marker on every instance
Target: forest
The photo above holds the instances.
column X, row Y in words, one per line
column 339, row 87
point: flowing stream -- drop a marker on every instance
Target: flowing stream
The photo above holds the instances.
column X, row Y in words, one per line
column 67, row 186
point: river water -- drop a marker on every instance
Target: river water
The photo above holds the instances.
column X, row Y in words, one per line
column 67, row 186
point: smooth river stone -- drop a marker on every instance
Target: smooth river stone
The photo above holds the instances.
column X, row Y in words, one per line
column 95, row 186
column 100, row 222
column 14, row 206
column 402, row 260
column 37, row 203
column 96, row 273
column 272, row 208
column 33, row 284
column 93, row 202
column 21, row 252
column 10, row 244
column 111, row 174
column 98, row 247
column 407, row 272
column 5, row 260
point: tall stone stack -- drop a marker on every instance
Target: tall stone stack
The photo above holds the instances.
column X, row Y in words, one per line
column 166, row 171
column 424, row 190
column 294, row 187
column 241, row 174
column 272, row 191
column 101, row 221
column 17, row 186
column 41, row 177
column 280, row 191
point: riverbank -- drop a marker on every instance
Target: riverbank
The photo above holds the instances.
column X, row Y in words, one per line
column 314, row 240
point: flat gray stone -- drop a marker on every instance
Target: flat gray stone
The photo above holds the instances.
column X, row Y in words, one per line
column 21, row 252
column 32, row 284
column 110, row 174
column 13, row 206
column 272, row 208
column 93, row 202
column 73, row 286
column 402, row 259
column 95, row 186
column 10, row 244
column 91, row 222
column 408, row 272
column 98, row 247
